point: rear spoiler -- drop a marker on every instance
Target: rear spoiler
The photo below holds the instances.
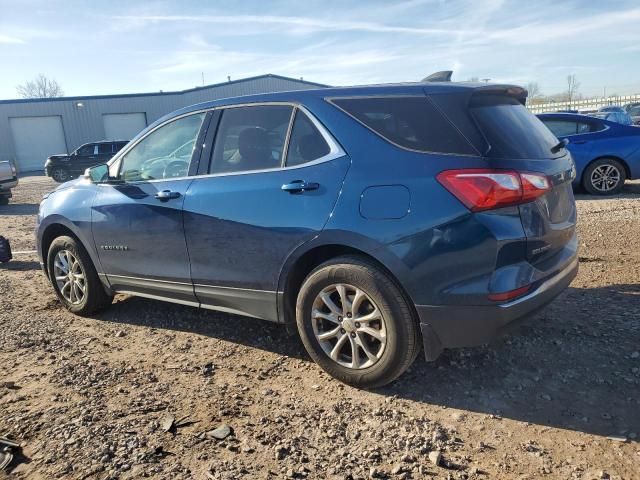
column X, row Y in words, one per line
column 514, row 91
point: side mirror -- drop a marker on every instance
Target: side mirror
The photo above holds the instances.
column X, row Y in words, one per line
column 98, row 173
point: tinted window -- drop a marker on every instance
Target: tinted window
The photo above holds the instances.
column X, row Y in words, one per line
column 561, row 128
column 306, row 143
column 119, row 146
column 86, row 150
column 104, row 148
column 511, row 130
column 411, row 122
column 164, row 153
column 251, row 138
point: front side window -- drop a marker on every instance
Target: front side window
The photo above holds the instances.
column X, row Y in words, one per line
column 87, row 150
column 251, row 138
column 561, row 128
column 410, row 122
column 104, row 149
column 306, row 143
column 164, row 153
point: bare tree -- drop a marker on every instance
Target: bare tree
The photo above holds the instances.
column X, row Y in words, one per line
column 534, row 91
column 572, row 87
column 40, row 87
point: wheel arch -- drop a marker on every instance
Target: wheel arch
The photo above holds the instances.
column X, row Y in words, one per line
column 57, row 227
column 304, row 260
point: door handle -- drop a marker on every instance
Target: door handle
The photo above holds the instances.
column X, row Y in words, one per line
column 299, row 186
column 579, row 142
column 165, row 195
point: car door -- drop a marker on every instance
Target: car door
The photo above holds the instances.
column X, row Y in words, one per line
column 274, row 177
column 105, row 152
column 138, row 222
column 87, row 156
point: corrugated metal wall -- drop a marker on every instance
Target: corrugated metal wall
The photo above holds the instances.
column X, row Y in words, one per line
column 84, row 124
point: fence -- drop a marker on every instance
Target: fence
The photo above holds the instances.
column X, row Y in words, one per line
column 581, row 105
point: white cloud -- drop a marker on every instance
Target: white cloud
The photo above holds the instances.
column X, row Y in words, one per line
column 10, row 40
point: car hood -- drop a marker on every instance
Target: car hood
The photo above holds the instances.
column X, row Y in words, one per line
column 58, row 156
column 71, row 183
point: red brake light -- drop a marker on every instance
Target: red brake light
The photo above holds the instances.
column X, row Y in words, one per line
column 486, row 189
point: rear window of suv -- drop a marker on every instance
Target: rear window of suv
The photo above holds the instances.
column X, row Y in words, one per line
column 511, row 130
column 413, row 123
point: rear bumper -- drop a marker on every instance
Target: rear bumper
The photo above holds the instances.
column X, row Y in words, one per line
column 451, row 326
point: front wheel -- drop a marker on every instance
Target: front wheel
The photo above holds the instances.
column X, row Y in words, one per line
column 74, row 277
column 356, row 323
column 60, row 174
column 604, row 177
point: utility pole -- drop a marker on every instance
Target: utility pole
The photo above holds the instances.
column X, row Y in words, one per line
column 203, row 79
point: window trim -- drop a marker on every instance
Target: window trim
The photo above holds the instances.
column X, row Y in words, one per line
column 330, row 100
column 128, row 147
column 606, row 127
column 335, row 149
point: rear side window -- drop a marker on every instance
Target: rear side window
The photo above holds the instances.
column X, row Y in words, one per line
column 410, row 122
column 251, row 138
column 306, row 143
column 511, row 130
column 561, row 128
column 118, row 146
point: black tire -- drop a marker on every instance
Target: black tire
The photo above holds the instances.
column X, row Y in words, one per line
column 60, row 174
column 4, row 200
column 95, row 298
column 402, row 332
column 590, row 183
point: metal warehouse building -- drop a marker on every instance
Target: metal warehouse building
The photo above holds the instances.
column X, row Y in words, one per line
column 31, row 130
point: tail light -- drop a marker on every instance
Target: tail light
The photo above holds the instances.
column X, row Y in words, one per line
column 486, row 189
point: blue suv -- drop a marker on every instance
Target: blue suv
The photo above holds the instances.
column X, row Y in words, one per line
column 377, row 220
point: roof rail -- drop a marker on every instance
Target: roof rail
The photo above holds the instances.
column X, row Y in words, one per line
column 443, row 76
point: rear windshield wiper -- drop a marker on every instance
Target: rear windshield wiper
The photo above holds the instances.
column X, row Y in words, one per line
column 560, row 145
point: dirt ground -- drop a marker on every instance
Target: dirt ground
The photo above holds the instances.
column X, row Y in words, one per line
column 92, row 398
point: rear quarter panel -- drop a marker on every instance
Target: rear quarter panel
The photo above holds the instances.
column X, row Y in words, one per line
column 421, row 248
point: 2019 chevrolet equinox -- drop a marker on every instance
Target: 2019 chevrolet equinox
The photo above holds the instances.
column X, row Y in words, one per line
column 378, row 219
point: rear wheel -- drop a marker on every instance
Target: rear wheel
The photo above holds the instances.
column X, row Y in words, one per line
column 4, row 200
column 356, row 323
column 604, row 177
column 74, row 277
column 60, row 174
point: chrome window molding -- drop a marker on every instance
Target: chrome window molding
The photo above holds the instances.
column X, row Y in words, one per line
column 335, row 150
column 330, row 100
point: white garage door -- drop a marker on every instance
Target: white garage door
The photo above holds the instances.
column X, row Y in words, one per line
column 35, row 138
column 123, row 126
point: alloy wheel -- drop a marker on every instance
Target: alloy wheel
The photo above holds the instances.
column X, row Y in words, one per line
column 605, row 177
column 70, row 277
column 59, row 175
column 349, row 326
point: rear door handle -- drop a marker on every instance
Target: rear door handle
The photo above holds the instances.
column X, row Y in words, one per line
column 299, row 186
column 165, row 195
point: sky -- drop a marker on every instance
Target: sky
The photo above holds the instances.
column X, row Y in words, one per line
column 106, row 47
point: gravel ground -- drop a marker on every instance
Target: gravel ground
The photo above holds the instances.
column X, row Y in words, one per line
column 139, row 390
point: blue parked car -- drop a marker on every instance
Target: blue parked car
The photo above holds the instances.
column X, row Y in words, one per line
column 606, row 153
column 378, row 220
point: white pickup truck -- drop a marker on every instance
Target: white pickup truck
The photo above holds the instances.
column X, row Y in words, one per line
column 8, row 180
